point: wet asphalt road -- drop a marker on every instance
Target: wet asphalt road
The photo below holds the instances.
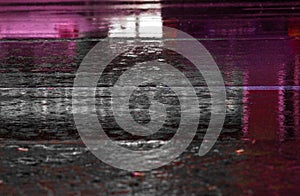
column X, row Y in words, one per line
column 256, row 47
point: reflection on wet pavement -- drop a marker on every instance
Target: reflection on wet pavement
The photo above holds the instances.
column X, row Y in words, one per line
column 256, row 47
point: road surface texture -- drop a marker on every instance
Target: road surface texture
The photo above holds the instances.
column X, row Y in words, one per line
column 255, row 44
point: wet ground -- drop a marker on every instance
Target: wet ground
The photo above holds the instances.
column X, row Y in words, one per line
column 256, row 46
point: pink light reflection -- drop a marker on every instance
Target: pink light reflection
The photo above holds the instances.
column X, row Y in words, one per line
column 42, row 25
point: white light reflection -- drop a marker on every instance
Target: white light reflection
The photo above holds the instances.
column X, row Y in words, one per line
column 281, row 103
column 139, row 24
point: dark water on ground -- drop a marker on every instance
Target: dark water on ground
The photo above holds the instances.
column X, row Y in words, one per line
column 256, row 47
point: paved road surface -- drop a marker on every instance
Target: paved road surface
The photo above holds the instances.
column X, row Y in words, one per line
column 256, row 46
